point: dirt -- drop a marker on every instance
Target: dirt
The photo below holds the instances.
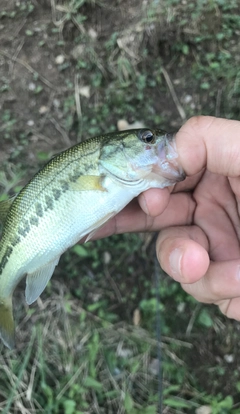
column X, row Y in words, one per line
column 46, row 57
column 36, row 88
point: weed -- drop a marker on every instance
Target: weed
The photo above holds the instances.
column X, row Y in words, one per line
column 78, row 350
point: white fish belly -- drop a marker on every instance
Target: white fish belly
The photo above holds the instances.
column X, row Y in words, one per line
column 76, row 214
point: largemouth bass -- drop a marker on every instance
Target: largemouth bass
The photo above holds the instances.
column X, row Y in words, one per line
column 72, row 196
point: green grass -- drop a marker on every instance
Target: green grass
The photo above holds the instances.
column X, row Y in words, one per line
column 78, row 349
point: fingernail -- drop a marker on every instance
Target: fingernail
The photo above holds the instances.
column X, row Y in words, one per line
column 175, row 259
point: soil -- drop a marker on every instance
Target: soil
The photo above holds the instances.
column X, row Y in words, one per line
column 36, row 86
column 59, row 81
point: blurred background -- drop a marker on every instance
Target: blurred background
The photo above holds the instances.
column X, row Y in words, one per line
column 74, row 69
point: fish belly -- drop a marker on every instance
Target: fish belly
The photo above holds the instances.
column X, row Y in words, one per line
column 76, row 214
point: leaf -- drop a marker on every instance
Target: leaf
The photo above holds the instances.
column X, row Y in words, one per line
column 42, row 156
column 171, row 389
column 177, row 403
column 205, row 85
column 92, row 383
column 151, row 409
column 238, row 386
column 80, row 250
column 204, row 318
column 69, row 406
column 128, row 403
column 29, row 32
column 38, row 89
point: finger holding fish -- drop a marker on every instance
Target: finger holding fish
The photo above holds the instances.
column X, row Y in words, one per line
column 159, row 213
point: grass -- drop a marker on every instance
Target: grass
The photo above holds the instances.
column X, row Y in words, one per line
column 105, row 366
column 89, row 343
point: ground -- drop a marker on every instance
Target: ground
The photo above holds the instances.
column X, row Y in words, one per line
column 70, row 70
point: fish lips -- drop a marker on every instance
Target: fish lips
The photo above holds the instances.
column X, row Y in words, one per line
column 167, row 160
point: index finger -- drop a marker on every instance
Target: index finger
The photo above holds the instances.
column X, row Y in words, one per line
column 209, row 142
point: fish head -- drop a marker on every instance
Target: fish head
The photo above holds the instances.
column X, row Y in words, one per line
column 142, row 155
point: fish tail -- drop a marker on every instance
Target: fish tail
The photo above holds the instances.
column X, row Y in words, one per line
column 7, row 331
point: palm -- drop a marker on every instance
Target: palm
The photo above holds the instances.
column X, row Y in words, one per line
column 217, row 214
column 215, row 225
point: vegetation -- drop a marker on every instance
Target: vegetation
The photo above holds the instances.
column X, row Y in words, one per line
column 70, row 70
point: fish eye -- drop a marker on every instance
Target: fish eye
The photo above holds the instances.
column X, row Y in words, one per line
column 147, row 136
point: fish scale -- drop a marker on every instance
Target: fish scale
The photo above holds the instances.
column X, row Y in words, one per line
column 76, row 193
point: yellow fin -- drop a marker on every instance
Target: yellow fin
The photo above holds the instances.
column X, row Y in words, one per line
column 88, row 183
column 7, row 333
column 4, row 208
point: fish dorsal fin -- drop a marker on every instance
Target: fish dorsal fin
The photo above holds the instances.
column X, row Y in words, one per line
column 88, row 183
column 4, row 208
column 37, row 281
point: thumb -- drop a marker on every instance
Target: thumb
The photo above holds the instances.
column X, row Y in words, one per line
column 182, row 253
column 209, row 142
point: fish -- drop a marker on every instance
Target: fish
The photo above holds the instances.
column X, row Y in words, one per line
column 72, row 196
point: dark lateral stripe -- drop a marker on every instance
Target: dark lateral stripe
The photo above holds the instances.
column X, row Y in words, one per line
column 39, row 209
column 56, row 193
column 49, row 203
column 34, row 220
column 23, row 231
column 15, row 240
column 5, row 258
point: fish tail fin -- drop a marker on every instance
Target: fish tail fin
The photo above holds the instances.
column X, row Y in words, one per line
column 7, row 331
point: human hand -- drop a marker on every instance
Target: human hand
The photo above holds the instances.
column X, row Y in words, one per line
column 202, row 251
column 205, row 255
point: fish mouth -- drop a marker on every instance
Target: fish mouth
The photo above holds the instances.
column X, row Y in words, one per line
column 167, row 160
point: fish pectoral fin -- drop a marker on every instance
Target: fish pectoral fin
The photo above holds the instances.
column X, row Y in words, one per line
column 87, row 183
column 98, row 224
column 38, row 280
column 4, row 208
column 7, row 333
